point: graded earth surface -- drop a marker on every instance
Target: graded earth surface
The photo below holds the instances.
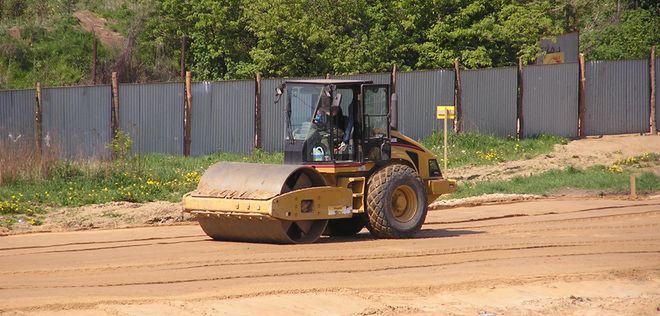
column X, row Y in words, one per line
column 565, row 256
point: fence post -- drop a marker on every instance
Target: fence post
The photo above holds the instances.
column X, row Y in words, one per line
column 187, row 120
column 458, row 92
column 520, row 100
column 582, row 97
column 114, row 110
column 654, row 130
column 38, row 121
column 257, row 111
column 393, row 79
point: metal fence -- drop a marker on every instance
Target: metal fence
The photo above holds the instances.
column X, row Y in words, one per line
column 17, row 117
column 488, row 101
column 617, row 97
column 419, row 93
column 550, row 100
column 152, row 114
column 222, row 117
column 76, row 121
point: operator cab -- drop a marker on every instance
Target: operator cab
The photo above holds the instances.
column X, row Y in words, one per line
column 336, row 121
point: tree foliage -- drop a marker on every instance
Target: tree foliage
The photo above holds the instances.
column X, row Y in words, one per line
column 234, row 39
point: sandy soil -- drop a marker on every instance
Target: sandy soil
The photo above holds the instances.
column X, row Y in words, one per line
column 98, row 25
column 106, row 216
column 579, row 153
column 559, row 257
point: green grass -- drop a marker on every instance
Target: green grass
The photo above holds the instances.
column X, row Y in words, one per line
column 57, row 53
column 476, row 149
column 601, row 178
column 135, row 179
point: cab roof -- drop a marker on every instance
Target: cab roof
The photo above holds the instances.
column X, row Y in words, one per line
column 330, row 81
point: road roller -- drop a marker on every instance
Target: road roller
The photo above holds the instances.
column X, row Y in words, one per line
column 346, row 167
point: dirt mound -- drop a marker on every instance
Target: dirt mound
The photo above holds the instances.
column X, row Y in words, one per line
column 98, row 25
column 580, row 153
column 107, row 216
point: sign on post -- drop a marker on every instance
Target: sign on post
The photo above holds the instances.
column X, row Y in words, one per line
column 442, row 110
column 445, row 113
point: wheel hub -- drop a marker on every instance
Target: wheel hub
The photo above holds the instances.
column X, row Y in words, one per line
column 404, row 203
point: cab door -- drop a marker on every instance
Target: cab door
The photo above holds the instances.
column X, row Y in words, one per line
column 375, row 105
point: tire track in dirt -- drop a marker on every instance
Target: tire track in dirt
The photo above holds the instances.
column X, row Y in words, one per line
column 104, row 248
column 577, row 228
column 401, row 255
column 568, row 220
column 336, row 271
column 536, row 215
column 610, row 274
column 98, row 242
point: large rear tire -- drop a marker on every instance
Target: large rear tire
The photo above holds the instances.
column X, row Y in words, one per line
column 345, row 226
column 396, row 202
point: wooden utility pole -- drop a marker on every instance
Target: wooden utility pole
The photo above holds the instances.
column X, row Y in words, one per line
column 654, row 126
column 184, row 42
column 94, row 56
column 582, row 99
column 114, row 110
column 187, row 109
column 458, row 121
column 257, row 111
column 520, row 100
column 38, row 121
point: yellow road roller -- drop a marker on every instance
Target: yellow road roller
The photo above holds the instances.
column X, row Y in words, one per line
column 346, row 166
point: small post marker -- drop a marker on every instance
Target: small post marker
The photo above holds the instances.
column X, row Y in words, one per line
column 633, row 187
column 445, row 113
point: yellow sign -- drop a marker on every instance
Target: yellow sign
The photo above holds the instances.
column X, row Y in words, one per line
column 441, row 109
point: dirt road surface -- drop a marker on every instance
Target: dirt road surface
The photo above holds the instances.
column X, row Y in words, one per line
column 558, row 257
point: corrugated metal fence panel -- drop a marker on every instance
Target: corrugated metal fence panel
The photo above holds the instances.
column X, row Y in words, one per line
column 550, row 100
column 377, row 78
column 419, row 93
column 17, row 117
column 617, row 97
column 76, row 121
column 153, row 115
column 273, row 127
column 489, row 99
column 223, row 117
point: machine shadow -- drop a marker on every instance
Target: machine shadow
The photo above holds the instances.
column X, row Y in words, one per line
column 424, row 233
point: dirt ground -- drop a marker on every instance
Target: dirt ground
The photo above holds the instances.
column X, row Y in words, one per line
column 559, row 257
column 98, row 25
column 579, row 153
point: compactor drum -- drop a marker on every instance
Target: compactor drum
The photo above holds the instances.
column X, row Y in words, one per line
column 346, row 167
